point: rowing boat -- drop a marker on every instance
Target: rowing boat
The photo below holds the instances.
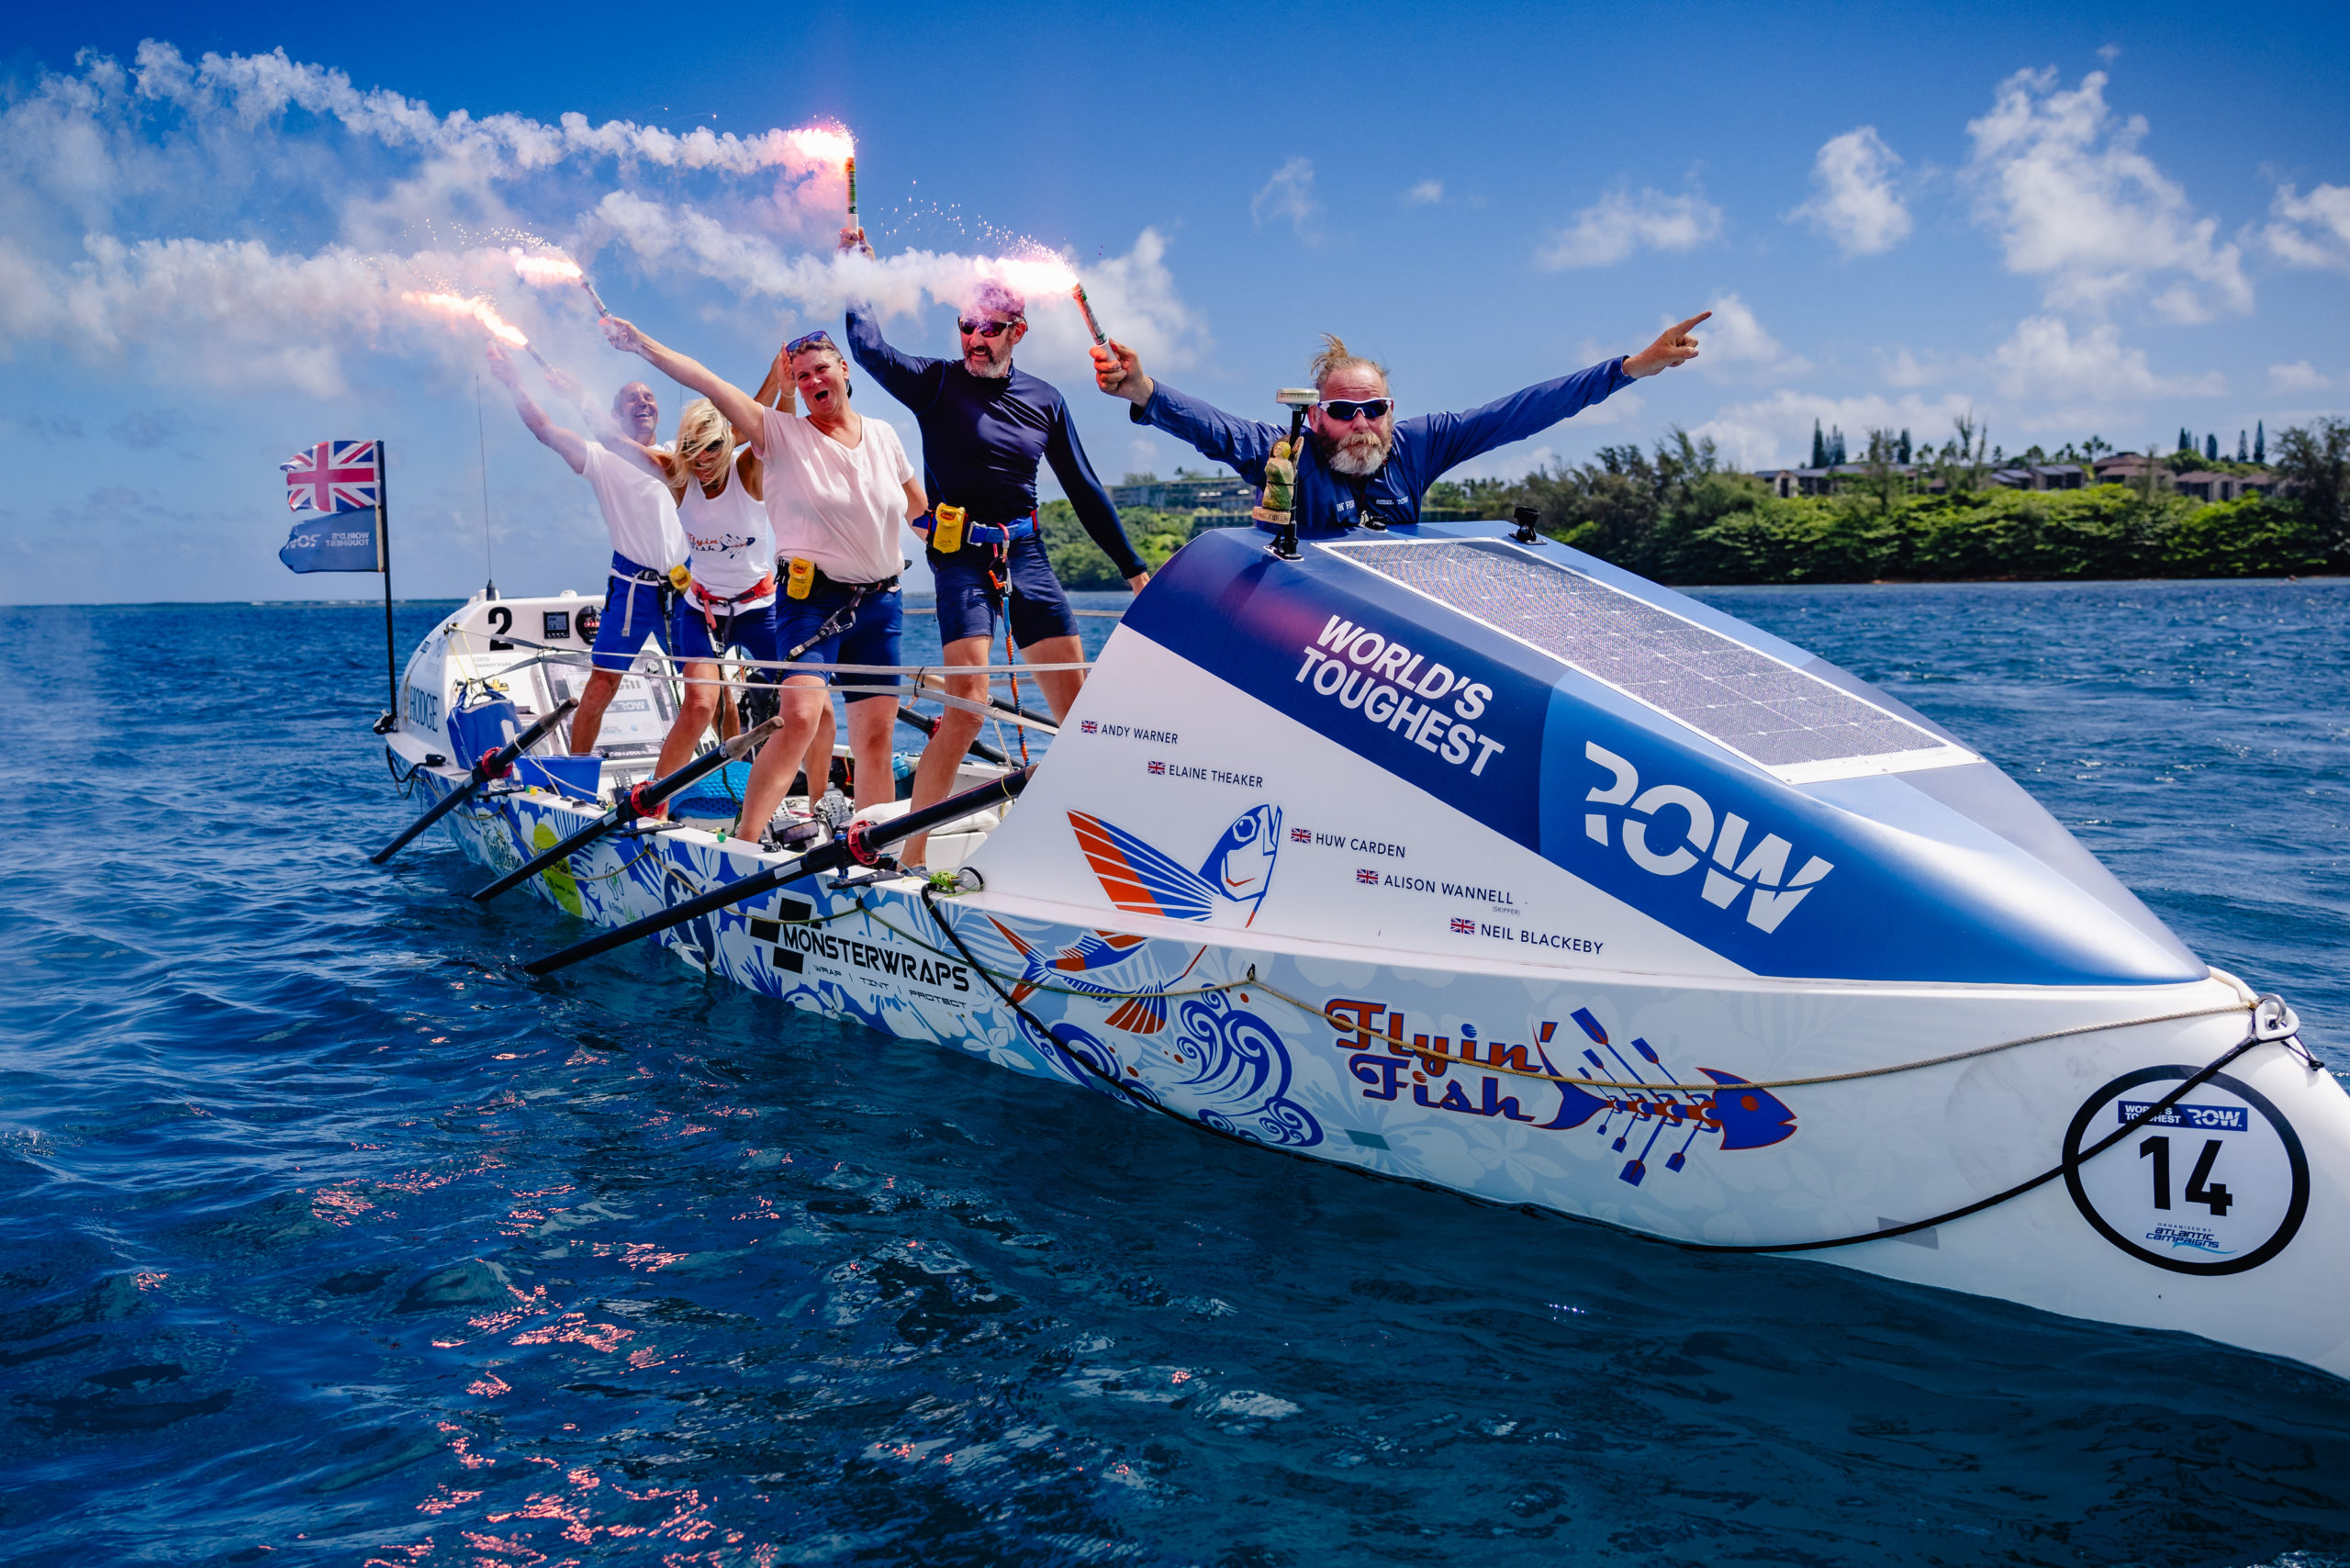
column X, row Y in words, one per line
column 1464, row 857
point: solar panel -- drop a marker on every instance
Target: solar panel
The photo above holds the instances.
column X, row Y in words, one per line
column 1786, row 719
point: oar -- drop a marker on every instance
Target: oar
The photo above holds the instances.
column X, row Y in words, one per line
column 936, row 682
column 637, row 802
column 862, row 844
column 493, row 764
column 929, row 726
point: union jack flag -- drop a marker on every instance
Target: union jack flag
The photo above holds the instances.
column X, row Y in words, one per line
column 1367, row 878
column 1464, row 927
column 1088, row 727
column 1300, row 835
column 1158, row 767
column 333, row 476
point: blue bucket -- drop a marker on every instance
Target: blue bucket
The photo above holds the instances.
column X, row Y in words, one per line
column 483, row 727
column 577, row 777
column 718, row 794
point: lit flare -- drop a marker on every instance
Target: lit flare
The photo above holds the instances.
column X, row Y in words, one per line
column 482, row 313
column 545, row 271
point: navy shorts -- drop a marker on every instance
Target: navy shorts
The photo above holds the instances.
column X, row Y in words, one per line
column 753, row 630
column 1039, row 608
column 634, row 611
column 872, row 637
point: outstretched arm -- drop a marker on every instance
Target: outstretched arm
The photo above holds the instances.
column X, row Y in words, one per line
column 1453, row 438
column 1243, row 444
column 567, row 444
column 746, row 416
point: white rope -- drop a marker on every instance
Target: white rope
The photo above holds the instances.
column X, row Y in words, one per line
column 804, row 667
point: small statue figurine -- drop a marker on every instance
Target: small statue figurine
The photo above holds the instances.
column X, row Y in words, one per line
column 1280, row 485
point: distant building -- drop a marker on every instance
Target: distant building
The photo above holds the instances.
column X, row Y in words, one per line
column 2205, row 486
column 1220, row 493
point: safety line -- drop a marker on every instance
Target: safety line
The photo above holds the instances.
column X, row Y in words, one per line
column 1396, row 1045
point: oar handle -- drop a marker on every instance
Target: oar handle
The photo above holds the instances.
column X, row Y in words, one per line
column 631, row 806
column 491, row 767
column 860, row 843
column 929, row 726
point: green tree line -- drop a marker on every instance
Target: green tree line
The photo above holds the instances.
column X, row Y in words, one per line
column 1678, row 513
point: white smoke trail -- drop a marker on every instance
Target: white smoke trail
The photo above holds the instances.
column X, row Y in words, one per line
column 128, row 197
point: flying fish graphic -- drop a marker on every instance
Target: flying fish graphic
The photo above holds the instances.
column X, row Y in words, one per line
column 1141, row 879
column 1097, row 964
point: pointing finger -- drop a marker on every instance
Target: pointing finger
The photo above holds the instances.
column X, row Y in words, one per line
column 1682, row 328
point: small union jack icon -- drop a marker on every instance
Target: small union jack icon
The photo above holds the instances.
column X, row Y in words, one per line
column 1464, row 927
column 1158, row 767
column 1088, row 727
column 1300, row 835
column 1367, row 878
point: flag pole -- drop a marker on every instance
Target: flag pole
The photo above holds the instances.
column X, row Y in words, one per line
column 384, row 565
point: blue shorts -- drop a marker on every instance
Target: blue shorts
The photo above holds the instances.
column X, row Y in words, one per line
column 634, row 611
column 966, row 607
column 753, row 630
column 872, row 637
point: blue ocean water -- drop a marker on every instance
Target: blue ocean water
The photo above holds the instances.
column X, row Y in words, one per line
column 326, row 1236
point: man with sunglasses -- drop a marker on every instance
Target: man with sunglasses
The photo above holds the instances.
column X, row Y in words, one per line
column 986, row 427
column 1364, row 468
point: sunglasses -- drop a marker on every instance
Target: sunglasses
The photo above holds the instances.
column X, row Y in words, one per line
column 1343, row 411
column 990, row 328
column 819, row 339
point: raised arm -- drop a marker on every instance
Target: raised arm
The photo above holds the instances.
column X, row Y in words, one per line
column 741, row 412
column 908, row 379
column 1067, row 455
column 569, row 445
column 1454, row 439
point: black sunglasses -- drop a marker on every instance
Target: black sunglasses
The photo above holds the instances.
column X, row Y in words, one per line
column 1343, row 411
column 990, row 328
column 820, row 338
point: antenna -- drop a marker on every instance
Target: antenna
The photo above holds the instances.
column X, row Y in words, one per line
column 481, row 431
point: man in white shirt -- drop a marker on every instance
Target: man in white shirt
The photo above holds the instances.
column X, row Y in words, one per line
column 642, row 522
column 837, row 487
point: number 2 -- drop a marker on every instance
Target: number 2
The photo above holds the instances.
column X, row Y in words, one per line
column 501, row 621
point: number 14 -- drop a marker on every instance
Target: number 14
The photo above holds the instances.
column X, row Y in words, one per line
column 2200, row 1188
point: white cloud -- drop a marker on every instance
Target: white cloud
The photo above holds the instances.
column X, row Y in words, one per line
column 1854, row 202
column 1425, row 194
column 1734, row 346
column 2075, row 202
column 2299, row 376
column 2312, row 230
column 1620, row 223
column 1775, row 432
column 1289, row 195
column 1903, row 368
column 2042, row 361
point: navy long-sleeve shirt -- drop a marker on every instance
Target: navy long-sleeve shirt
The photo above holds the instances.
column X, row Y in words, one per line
column 982, row 439
column 1426, row 446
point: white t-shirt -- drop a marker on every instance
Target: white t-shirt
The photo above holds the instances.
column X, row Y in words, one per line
column 728, row 540
column 840, row 507
column 637, row 510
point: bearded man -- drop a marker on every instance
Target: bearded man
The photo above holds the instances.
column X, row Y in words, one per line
column 1363, row 468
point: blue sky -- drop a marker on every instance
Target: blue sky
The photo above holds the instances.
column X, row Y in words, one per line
column 2110, row 220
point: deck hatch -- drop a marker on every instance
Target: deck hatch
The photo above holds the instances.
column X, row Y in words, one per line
column 1780, row 717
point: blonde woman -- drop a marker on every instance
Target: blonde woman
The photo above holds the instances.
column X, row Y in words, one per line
column 728, row 599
